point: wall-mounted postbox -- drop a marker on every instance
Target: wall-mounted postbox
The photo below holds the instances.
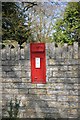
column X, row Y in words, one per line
column 38, row 63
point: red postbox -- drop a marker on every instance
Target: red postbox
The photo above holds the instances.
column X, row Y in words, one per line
column 38, row 63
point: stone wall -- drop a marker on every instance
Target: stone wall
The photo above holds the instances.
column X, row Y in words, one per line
column 58, row 98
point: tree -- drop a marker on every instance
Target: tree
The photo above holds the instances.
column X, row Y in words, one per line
column 42, row 20
column 14, row 17
column 67, row 28
column 29, row 21
column 39, row 20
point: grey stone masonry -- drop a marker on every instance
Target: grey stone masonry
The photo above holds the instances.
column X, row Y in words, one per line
column 58, row 98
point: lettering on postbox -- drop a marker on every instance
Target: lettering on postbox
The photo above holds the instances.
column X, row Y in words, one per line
column 38, row 63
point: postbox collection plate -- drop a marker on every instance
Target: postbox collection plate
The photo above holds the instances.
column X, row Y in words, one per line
column 38, row 63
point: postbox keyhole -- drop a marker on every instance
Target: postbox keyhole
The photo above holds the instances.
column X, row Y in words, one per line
column 35, row 78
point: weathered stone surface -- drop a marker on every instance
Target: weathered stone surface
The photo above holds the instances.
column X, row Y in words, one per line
column 41, row 85
column 37, row 91
column 26, row 80
column 50, row 110
column 3, row 54
column 11, row 80
column 53, row 115
column 18, row 85
column 51, row 62
column 58, row 52
column 70, row 52
column 75, row 50
column 63, row 80
column 67, row 74
column 64, row 48
column 62, row 98
column 73, row 98
column 31, row 113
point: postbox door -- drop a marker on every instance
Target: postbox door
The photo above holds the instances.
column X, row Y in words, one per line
column 38, row 70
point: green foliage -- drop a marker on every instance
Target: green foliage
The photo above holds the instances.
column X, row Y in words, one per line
column 67, row 29
column 27, row 22
column 13, row 22
column 13, row 108
column 10, row 43
column 10, row 111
